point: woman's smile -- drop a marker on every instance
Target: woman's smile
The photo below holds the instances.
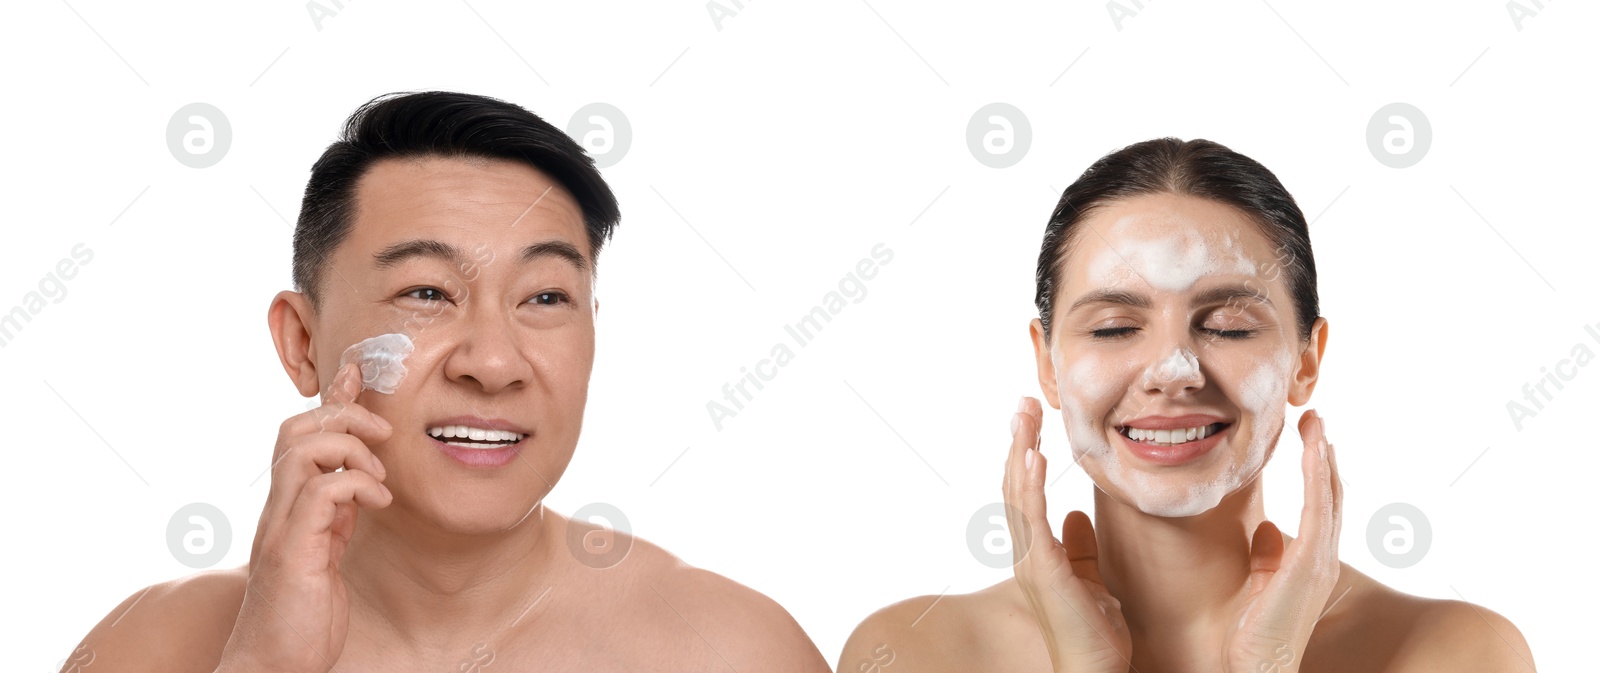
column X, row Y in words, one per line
column 1171, row 441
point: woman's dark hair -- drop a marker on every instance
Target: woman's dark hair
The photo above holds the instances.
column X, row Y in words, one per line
column 437, row 124
column 1198, row 168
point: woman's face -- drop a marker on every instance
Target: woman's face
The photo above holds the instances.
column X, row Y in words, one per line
column 1173, row 351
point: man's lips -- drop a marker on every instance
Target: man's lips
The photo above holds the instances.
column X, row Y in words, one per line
column 476, row 432
column 481, row 422
column 478, row 442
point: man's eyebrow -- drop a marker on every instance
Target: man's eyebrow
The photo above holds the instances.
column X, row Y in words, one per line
column 405, row 250
column 560, row 249
column 400, row 252
column 1221, row 294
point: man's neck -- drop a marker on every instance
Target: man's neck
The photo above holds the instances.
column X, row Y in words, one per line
column 431, row 587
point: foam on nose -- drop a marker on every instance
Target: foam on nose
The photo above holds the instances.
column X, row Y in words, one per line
column 1180, row 365
column 381, row 360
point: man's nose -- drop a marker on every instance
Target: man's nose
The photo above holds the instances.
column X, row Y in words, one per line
column 488, row 353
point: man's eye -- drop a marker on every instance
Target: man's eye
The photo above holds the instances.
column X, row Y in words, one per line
column 549, row 298
column 427, row 294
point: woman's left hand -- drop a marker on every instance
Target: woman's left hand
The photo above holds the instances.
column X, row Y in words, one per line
column 1288, row 589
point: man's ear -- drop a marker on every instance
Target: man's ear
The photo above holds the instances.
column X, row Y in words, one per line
column 1310, row 364
column 1046, row 365
column 289, row 319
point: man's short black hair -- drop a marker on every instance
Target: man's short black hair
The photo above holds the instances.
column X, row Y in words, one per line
column 437, row 124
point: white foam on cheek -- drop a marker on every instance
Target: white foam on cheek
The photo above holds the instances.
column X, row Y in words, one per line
column 1086, row 385
column 381, row 359
column 1089, row 383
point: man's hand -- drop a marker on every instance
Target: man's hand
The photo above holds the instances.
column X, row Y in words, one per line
column 295, row 614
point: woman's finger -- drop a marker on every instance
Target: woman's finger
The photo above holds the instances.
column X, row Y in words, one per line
column 1266, row 556
column 1316, row 523
column 1024, row 491
column 1083, row 551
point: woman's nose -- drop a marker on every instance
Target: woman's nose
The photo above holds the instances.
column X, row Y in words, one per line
column 1175, row 370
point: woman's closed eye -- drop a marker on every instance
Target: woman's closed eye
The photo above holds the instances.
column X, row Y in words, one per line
column 1116, row 332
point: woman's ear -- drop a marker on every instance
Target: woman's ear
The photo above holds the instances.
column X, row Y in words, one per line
column 1309, row 365
column 289, row 319
column 1046, row 364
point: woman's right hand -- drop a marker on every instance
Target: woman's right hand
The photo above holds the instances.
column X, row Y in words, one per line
column 1081, row 621
column 295, row 614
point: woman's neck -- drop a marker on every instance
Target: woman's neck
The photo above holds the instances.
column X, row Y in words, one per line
column 427, row 586
column 1180, row 580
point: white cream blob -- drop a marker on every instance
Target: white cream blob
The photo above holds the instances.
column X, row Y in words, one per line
column 381, row 359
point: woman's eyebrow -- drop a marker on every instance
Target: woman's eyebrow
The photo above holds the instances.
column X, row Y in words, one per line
column 1221, row 294
column 1227, row 294
column 1104, row 296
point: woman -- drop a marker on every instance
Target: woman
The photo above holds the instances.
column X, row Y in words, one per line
column 1177, row 316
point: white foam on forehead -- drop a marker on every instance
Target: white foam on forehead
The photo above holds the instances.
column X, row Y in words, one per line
column 1172, row 261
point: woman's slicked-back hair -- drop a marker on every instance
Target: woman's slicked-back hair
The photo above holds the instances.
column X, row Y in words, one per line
column 1199, row 168
column 437, row 124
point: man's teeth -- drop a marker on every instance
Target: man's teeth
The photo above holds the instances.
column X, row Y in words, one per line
column 474, row 438
column 1174, row 436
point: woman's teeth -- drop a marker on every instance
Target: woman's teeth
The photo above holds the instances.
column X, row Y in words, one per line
column 1171, row 437
column 474, row 438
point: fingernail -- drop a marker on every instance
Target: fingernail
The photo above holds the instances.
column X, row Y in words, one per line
column 1027, row 459
column 383, row 422
column 1022, row 403
column 382, row 471
column 1015, row 419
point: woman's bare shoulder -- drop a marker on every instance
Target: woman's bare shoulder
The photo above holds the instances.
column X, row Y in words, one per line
column 990, row 628
column 1377, row 628
column 179, row 625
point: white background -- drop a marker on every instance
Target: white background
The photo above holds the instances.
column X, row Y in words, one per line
column 792, row 140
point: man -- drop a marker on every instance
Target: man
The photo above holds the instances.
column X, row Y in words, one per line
column 472, row 227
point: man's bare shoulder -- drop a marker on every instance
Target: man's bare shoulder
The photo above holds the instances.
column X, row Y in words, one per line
column 176, row 626
column 704, row 613
column 1378, row 628
column 989, row 628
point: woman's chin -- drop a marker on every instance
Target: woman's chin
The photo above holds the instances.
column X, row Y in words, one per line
column 1190, row 488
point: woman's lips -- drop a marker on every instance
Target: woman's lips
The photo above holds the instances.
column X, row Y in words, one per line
column 1175, row 454
column 480, row 458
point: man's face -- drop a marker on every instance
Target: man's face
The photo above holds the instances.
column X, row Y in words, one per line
column 486, row 265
